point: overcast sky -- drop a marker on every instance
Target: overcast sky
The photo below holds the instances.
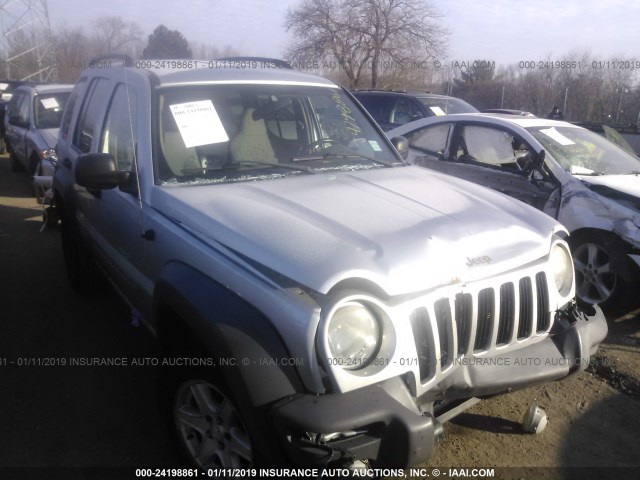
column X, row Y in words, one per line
column 506, row 31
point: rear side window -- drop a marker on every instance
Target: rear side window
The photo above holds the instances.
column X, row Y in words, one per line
column 68, row 111
column 378, row 106
column 89, row 124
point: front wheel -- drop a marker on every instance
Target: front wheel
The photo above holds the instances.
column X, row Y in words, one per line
column 602, row 270
column 209, row 428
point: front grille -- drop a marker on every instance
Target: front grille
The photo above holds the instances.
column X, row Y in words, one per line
column 526, row 308
column 475, row 323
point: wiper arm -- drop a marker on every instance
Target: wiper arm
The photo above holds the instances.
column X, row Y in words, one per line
column 245, row 163
column 327, row 156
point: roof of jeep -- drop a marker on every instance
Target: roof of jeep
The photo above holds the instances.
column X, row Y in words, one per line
column 205, row 75
column 47, row 88
column 400, row 93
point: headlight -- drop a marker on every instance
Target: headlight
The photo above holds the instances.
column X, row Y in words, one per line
column 49, row 154
column 354, row 336
column 562, row 269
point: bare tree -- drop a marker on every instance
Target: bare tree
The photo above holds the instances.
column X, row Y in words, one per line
column 114, row 35
column 364, row 37
column 71, row 47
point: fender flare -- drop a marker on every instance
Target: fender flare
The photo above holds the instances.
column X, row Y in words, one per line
column 188, row 303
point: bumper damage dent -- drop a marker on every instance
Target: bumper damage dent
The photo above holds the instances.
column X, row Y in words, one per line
column 384, row 421
column 566, row 350
column 388, row 426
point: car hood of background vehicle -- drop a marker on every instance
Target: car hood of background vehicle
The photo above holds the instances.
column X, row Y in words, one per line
column 49, row 137
column 629, row 184
column 406, row 229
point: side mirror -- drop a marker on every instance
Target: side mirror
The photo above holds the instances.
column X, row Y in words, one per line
column 99, row 171
column 402, row 146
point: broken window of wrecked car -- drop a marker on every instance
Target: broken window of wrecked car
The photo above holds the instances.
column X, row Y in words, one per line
column 583, row 152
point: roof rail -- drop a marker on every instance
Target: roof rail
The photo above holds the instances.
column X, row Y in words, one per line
column 126, row 60
column 264, row 61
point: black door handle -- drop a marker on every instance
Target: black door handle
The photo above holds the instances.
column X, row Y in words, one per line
column 66, row 163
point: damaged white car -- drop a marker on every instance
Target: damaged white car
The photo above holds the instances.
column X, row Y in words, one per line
column 589, row 184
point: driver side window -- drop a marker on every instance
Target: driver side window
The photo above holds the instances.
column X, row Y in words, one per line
column 118, row 137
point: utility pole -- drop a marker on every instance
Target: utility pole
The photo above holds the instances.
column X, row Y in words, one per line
column 27, row 51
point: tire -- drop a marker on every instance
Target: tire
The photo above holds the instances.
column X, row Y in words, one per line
column 14, row 163
column 34, row 165
column 38, row 191
column 82, row 273
column 209, row 424
column 604, row 273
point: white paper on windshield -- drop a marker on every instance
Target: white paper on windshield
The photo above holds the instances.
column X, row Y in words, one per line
column 374, row 144
column 199, row 123
column 577, row 170
column 557, row 136
column 49, row 103
column 3, row 86
column 437, row 110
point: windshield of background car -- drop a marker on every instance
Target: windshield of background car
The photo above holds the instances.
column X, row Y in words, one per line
column 231, row 133
column 444, row 106
column 582, row 152
column 48, row 109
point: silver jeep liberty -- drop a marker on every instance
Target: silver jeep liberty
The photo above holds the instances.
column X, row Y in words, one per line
column 320, row 301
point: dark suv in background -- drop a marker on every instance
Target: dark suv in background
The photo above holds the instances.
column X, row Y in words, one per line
column 390, row 109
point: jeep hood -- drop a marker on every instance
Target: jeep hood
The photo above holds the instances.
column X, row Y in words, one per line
column 406, row 229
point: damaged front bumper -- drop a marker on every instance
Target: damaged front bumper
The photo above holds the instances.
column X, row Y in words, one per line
column 385, row 423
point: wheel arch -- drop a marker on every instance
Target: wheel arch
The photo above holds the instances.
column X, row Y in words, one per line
column 189, row 306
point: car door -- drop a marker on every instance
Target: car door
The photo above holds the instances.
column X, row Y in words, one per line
column 488, row 155
column 111, row 219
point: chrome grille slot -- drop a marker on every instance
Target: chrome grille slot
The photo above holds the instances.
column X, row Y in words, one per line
column 507, row 314
column 525, row 325
column 464, row 312
column 445, row 331
column 543, row 302
column 424, row 343
column 484, row 320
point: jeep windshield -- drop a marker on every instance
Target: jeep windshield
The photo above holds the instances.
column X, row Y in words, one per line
column 231, row 133
column 582, row 152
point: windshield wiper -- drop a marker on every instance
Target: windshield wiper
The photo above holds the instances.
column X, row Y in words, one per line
column 632, row 172
column 328, row 156
column 246, row 163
